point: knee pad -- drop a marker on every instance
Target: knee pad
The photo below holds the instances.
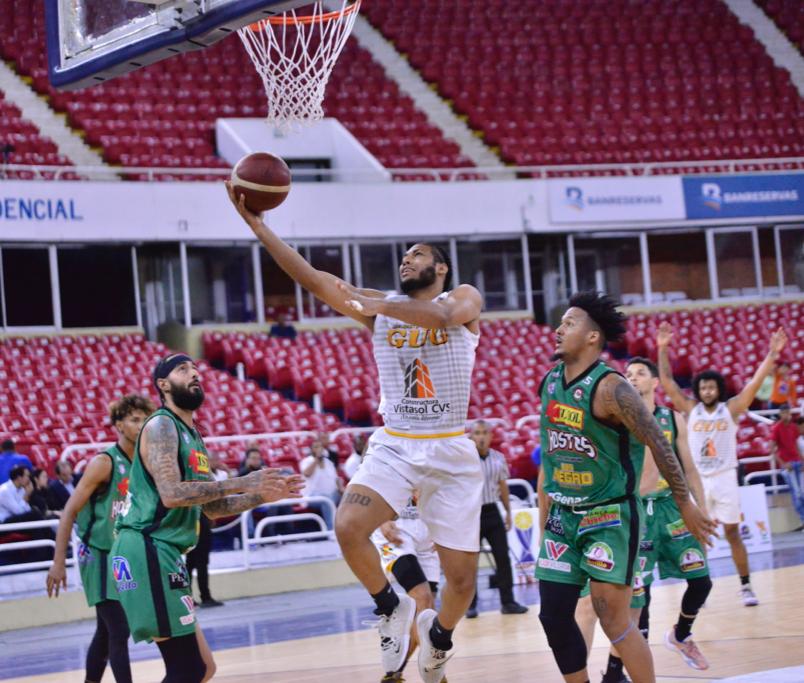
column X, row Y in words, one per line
column 695, row 595
column 408, row 572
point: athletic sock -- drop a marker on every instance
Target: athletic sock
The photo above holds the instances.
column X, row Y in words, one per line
column 745, row 580
column 440, row 637
column 614, row 670
column 684, row 626
column 386, row 600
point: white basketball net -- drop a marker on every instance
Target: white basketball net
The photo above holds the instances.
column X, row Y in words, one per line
column 294, row 56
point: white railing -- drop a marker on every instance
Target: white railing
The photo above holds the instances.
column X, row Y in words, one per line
column 150, row 173
column 37, row 543
column 530, row 494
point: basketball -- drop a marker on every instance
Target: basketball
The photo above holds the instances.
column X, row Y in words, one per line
column 263, row 178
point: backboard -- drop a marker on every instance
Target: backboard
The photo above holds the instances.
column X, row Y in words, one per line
column 91, row 41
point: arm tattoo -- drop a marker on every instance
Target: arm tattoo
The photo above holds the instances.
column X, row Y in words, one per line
column 160, row 457
column 232, row 505
column 630, row 410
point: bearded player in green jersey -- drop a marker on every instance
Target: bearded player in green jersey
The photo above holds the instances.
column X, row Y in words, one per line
column 593, row 429
column 170, row 487
column 98, row 498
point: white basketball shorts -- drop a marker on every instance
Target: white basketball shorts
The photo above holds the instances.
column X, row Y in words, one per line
column 722, row 494
column 446, row 473
column 416, row 541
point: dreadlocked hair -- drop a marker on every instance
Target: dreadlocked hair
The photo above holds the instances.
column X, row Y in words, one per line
column 602, row 309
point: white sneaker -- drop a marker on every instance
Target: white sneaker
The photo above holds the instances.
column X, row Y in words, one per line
column 749, row 599
column 395, row 634
column 431, row 660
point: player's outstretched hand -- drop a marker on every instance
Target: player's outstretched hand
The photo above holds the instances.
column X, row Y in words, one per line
column 294, row 486
column 665, row 334
column 698, row 523
column 778, row 341
column 56, row 579
column 254, row 220
column 391, row 532
column 368, row 306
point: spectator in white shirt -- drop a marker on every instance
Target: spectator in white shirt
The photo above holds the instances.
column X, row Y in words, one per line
column 322, row 480
column 14, row 494
column 356, row 458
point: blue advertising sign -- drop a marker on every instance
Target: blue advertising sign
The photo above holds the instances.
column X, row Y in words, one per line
column 741, row 196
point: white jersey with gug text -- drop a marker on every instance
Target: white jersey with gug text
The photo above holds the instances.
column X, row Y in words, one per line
column 712, row 438
column 425, row 374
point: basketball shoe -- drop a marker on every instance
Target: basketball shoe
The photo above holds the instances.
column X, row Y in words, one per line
column 395, row 634
column 687, row 649
column 748, row 596
column 431, row 660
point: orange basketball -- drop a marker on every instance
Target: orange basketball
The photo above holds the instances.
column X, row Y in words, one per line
column 263, row 178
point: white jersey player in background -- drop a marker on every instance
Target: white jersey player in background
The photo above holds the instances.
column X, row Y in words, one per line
column 712, row 437
column 424, row 345
column 409, row 556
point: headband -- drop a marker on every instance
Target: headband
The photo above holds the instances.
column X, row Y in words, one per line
column 165, row 366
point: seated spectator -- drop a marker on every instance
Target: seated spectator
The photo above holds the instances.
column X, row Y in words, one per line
column 252, row 462
column 784, row 447
column 322, row 480
column 281, row 328
column 332, row 453
column 356, row 458
column 784, row 387
column 62, row 487
column 14, row 497
column 39, row 498
column 9, row 458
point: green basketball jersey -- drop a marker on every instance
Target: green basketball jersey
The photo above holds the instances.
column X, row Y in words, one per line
column 667, row 423
column 96, row 519
column 585, row 461
column 144, row 509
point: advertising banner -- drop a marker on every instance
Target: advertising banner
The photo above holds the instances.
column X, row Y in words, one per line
column 523, row 544
column 744, row 196
column 615, row 199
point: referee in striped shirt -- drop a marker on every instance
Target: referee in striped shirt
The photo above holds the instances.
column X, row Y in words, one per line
column 492, row 528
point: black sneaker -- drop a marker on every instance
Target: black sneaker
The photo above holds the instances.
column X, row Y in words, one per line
column 211, row 602
column 513, row 608
column 624, row 679
column 393, row 677
column 471, row 613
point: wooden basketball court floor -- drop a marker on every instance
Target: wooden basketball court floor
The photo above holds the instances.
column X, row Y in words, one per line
column 737, row 640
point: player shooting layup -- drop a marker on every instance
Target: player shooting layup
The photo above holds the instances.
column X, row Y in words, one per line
column 424, row 346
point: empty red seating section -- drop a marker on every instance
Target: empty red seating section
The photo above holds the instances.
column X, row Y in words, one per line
column 57, row 391
column 164, row 115
column 789, row 17
column 560, row 82
column 512, row 358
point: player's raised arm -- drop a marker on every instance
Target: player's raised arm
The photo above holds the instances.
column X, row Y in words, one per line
column 616, row 401
column 741, row 402
column 159, row 444
column 324, row 286
column 683, row 450
column 680, row 400
column 461, row 307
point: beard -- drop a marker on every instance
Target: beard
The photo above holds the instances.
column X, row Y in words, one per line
column 426, row 278
column 187, row 398
column 557, row 355
column 710, row 402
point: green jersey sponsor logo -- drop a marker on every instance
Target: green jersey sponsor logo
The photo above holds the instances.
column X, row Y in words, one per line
column 691, row 560
column 678, row 530
column 599, row 556
column 600, row 518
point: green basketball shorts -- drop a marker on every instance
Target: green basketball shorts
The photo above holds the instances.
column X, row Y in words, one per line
column 153, row 586
column 93, row 565
column 670, row 544
column 599, row 543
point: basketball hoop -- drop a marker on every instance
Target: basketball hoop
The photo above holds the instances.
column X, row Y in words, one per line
column 294, row 55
